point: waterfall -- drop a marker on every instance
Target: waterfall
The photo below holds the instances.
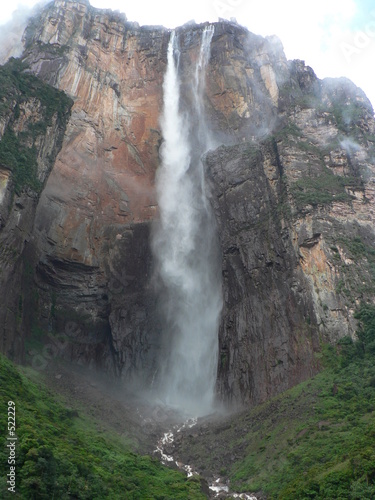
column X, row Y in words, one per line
column 185, row 245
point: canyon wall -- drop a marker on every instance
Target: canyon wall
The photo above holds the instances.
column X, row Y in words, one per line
column 291, row 181
column 33, row 119
column 296, row 220
column 92, row 222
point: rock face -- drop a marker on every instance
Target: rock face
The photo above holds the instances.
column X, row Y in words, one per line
column 267, row 339
column 295, row 215
column 33, row 118
column 91, row 225
column 291, row 184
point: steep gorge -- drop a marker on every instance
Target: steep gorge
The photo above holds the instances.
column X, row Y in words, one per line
column 291, row 178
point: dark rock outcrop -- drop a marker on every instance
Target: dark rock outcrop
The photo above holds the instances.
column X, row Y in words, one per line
column 295, row 220
column 268, row 335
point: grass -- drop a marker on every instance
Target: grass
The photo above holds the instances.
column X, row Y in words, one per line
column 60, row 455
column 18, row 85
column 347, row 116
column 357, row 248
column 289, row 129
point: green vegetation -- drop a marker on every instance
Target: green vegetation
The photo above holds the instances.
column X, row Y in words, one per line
column 289, row 129
column 60, row 455
column 292, row 95
column 318, row 439
column 18, row 151
column 315, row 441
column 348, row 115
column 22, row 160
column 357, row 278
column 357, row 248
column 322, row 189
column 17, row 84
column 252, row 153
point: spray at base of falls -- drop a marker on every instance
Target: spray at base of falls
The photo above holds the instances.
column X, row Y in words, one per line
column 185, row 246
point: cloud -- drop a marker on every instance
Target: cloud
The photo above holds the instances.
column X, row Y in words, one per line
column 11, row 32
column 335, row 37
column 350, row 145
column 11, row 35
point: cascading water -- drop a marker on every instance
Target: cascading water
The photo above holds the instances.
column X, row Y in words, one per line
column 185, row 246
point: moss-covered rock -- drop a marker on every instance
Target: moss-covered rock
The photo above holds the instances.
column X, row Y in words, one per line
column 19, row 143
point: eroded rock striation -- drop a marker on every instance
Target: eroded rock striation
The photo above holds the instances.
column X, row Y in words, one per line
column 291, row 178
column 295, row 216
column 33, row 119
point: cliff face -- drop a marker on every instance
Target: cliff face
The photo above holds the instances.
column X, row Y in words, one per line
column 291, row 186
column 91, row 225
column 33, row 118
column 295, row 214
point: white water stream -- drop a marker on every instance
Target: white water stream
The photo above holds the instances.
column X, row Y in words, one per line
column 217, row 487
column 185, row 245
column 185, row 250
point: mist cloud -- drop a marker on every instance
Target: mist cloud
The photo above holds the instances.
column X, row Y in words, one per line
column 11, row 33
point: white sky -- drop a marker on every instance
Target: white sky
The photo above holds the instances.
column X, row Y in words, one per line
column 334, row 37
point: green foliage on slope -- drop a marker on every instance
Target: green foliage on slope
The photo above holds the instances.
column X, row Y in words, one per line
column 318, row 439
column 16, row 84
column 321, row 190
column 58, row 456
column 21, row 160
